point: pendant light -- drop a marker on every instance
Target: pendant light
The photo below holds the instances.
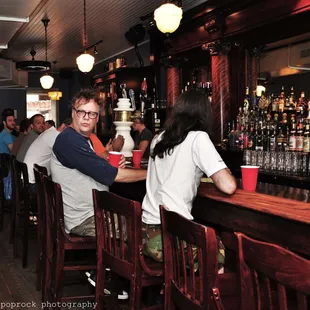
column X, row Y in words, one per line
column 168, row 17
column 46, row 80
column 85, row 61
column 54, row 94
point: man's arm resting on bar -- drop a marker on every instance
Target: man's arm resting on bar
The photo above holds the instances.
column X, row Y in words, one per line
column 130, row 175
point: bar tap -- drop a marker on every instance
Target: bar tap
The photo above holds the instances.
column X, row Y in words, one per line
column 143, row 96
column 132, row 98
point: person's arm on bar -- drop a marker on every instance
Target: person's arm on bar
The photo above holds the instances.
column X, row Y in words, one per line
column 130, row 175
column 224, row 181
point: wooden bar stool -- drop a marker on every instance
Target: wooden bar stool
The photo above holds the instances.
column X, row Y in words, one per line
column 272, row 277
column 58, row 243
column 191, row 266
column 39, row 173
column 119, row 247
column 5, row 167
column 24, row 228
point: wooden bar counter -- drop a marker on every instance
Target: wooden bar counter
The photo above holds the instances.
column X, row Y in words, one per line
column 264, row 214
column 273, row 213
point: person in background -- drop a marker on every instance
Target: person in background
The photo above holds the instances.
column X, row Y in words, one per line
column 7, row 141
column 37, row 127
column 24, row 129
column 103, row 151
column 143, row 136
column 50, row 123
column 40, row 152
column 6, row 138
column 180, row 156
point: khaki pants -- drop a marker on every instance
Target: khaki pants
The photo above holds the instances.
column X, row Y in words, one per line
column 87, row 227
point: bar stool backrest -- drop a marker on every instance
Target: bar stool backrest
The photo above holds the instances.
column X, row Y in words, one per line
column 54, row 210
column 21, row 188
column 188, row 245
column 272, row 277
column 118, row 226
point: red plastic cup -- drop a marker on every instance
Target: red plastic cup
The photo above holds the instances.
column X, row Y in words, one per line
column 136, row 158
column 249, row 177
column 114, row 158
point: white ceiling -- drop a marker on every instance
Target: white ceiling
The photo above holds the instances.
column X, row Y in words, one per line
column 107, row 20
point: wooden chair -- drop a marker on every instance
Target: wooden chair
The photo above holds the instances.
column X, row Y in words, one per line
column 23, row 227
column 123, row 252
column 5, row 167
column 188, row 246
column 39, row 173
column 58, row 243
column 272, row 277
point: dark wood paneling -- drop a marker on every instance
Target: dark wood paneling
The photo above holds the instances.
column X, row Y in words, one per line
column 220, row 95
column 14, row 99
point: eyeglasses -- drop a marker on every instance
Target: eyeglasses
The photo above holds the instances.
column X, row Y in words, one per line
column 82, row 113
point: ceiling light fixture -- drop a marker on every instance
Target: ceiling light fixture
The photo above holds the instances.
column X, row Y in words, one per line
column 46, row 80
column 85, row 61
column 54, row 95
column 168, row 17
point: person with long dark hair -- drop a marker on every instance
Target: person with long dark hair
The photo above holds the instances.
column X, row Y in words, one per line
column 180, row 156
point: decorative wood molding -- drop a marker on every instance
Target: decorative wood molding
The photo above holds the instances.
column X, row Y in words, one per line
column 220, row 47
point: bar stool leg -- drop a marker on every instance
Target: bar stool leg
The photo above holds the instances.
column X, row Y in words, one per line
column 59, row 274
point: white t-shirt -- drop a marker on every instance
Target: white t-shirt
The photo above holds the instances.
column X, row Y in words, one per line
column 40, row 152
column 173, row 180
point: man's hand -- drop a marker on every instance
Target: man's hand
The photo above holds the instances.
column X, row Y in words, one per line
column 117, row 143
column 122, row 162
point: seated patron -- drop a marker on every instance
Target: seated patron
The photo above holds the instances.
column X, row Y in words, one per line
column 143, row 136
column 77, row 168
column 24, row 129
column 40, row 152
column 49, row 123
column 6, row 138
column 37, row 127
column 180, row 156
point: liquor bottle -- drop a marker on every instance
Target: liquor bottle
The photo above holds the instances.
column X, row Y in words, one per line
column 156, row 123
column 250, row 145
column 225, row 143
column 299, row 138
column 306, row 142
column 292, row 138
column 267, row 138
column 259, row 140
column 281, row 100
column 275, row 104
column 247, row 99
column 280, row 139
column 301, row 105
column 231, row 137
column 272, row 143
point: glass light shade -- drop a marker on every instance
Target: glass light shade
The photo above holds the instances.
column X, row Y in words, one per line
column 46, row 81
column 168, row 17
column 259, row 90
column 85, row 62
column 54, row 95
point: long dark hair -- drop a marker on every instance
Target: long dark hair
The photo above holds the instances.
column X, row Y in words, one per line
column 192, row 112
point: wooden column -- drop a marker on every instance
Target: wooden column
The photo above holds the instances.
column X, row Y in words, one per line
column 221, row 96
column 173, row 85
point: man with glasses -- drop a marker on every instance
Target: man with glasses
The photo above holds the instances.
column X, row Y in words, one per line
column 77, row 168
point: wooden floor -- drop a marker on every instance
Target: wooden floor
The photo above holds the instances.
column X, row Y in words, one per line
column 17, row 285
